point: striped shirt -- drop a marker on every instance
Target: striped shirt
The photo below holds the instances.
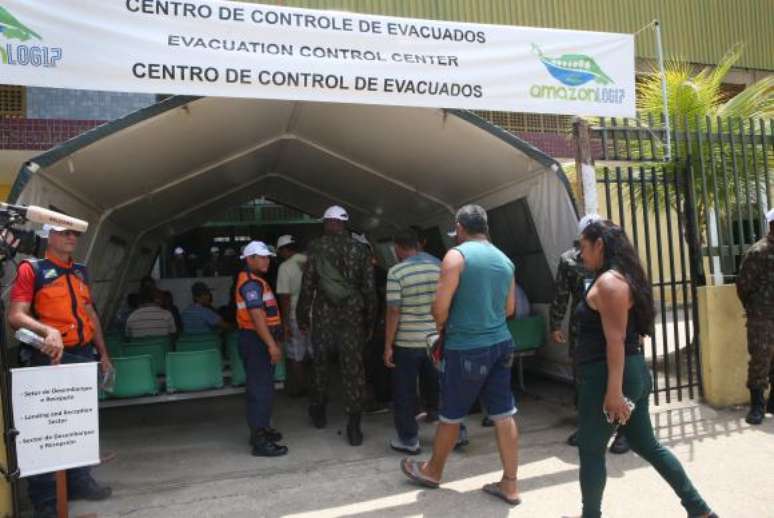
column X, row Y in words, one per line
column 411, row 285
column 150, row 320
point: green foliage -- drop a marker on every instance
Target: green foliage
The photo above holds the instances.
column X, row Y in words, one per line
column 693, row 96
column 726, row 140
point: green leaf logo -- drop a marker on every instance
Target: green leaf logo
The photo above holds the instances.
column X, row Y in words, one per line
column 573, row 69
column 12, row 29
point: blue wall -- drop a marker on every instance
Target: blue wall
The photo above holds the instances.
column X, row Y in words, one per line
column 56, row 103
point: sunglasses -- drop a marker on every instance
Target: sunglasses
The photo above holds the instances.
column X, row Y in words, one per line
column 68, row 233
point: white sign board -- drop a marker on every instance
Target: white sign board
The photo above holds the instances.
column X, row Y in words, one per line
column 55, row 411
column 234, row 49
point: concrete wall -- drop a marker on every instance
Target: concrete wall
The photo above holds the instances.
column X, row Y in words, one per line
column 723, row 346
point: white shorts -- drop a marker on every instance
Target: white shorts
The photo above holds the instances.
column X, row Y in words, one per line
column 299, row 346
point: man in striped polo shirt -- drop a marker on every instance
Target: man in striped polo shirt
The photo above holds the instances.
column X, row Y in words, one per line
column 411, row 286
column 150, row 319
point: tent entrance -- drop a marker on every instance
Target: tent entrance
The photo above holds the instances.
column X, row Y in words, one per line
column 169, row 168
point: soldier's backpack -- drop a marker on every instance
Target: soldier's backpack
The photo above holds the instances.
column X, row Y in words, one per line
column 334, row 285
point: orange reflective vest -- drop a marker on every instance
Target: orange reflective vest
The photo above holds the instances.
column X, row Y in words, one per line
column 269, row 302
column 61, row 296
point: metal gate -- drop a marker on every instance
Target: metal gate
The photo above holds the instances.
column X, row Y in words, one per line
column 677, row 235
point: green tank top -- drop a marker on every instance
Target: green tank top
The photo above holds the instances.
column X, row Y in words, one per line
column 477, row 315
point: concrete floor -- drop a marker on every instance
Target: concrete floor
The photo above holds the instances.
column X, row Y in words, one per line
column 191, row 459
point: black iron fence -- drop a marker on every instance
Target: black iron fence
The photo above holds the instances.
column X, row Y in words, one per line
column 731, row 172
column 692, row 207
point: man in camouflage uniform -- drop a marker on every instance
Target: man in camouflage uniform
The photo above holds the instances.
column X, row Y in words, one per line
column 338, row 303
column 571, row 283
column 755, row 287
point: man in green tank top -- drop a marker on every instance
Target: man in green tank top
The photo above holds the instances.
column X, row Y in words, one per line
column 476, row 293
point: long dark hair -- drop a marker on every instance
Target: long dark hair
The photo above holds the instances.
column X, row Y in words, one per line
column 619, row 255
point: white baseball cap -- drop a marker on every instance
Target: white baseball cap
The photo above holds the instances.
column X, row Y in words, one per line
column 587, row 220
column 44, row 232
column 336, row 212
column 770, row 216
column 179, row 251
column 285, row 240
column 256, row 248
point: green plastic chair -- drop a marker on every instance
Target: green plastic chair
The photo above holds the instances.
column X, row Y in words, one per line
column 156, row 350
column 238, row 376
column 198, row 337
column 197, row 345
column 134, row 377
column 115, row 346
column 195, row 370
column 114, row 335
column 528, row 333
column 165, row 341
column 279, row 371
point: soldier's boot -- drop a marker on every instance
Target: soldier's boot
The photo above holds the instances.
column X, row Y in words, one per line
column 755, row 415
column 770, row 405
column 317, row 413
column 354, row 433
column 265, row 447
column 269, row 432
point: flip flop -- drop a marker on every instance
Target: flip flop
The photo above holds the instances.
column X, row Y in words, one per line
column 411, row 470
column 494, row 490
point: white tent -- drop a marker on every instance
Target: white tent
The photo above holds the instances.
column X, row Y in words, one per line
column 172, row 166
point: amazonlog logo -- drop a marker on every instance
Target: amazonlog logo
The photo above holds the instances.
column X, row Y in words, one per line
column 23, row 53
column 573, row 71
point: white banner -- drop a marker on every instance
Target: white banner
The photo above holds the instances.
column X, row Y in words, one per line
column 55, row 411
column 232, row 49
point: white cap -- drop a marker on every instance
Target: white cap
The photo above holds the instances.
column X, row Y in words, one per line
column 336, row 212
column 44, row 232
column 587, row 220
column 179, row 251
column 770, row 216
column 285, row 240
column 360, row 238
column 256, row 248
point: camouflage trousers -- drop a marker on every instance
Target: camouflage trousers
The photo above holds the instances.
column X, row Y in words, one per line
column 342, row 331
column 760, row 345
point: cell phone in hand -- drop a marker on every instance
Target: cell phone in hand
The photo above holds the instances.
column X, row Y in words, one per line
column 609, row 418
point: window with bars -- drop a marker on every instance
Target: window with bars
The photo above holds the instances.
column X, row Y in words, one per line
column 529, row 122
column 13, row 101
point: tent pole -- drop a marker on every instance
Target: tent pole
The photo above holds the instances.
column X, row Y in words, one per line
column 585, row 183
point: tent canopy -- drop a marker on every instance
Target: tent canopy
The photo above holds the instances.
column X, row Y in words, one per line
column 172, row 166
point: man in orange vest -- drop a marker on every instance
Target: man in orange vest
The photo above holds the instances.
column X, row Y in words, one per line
column 51, row 297
column 260, row 328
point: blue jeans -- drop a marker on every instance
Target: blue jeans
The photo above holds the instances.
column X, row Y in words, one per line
column 260, row 379
column 410, row 364
column 42, row 488
column 484, row 371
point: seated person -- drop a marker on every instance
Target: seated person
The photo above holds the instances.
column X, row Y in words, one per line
column 168, row 303
column 199, row 317
column 150, row 319
column 523, row 308
column 132, row 303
